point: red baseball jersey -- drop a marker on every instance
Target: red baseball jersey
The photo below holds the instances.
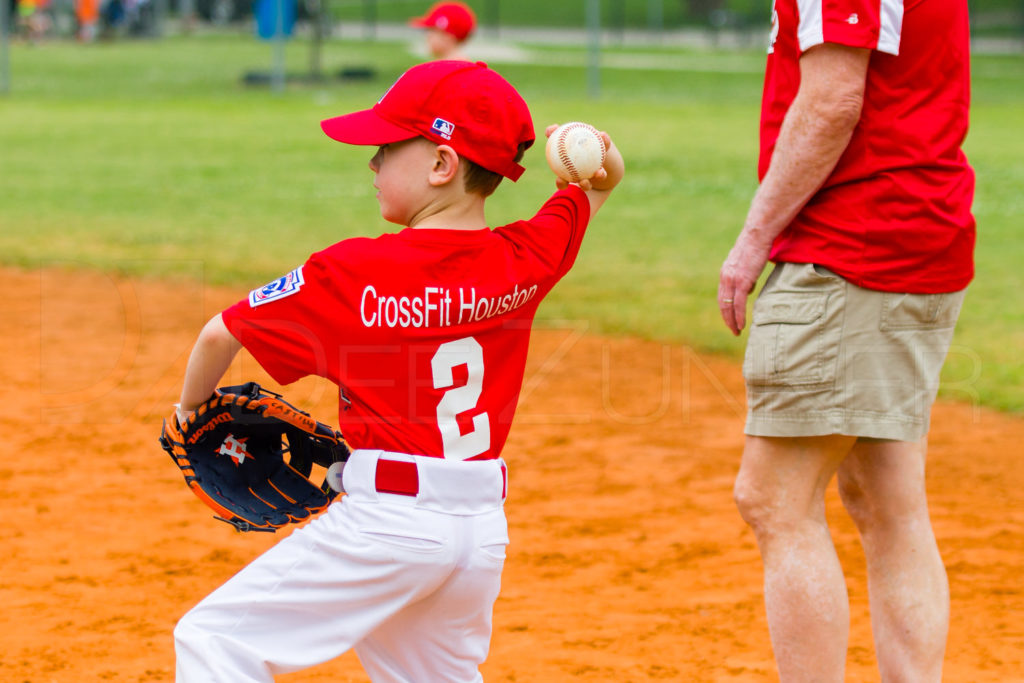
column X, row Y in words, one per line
column 424, row 331
column 895, row 215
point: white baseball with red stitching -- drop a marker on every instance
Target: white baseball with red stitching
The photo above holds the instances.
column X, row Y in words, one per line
column 575, row 151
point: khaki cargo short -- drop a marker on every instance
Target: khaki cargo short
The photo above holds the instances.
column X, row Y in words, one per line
column 827, row 357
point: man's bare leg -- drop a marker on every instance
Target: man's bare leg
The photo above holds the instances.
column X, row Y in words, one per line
column 780, row 492
column 882, row 485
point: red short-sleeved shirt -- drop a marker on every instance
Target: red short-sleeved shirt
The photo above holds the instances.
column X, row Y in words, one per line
column 425, row 331
column 895, row 214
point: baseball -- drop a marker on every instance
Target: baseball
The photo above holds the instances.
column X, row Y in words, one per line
column 334, row 476
column 575, row 151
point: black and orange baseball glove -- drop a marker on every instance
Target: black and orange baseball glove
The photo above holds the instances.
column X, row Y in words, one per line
column 248, row 454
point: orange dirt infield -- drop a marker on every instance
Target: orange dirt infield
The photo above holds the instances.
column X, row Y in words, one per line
column 628, row 561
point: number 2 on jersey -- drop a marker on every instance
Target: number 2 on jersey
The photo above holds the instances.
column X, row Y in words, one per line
column 466, row 351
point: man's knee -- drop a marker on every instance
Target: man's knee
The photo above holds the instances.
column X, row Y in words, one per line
column 874, row 504
column 855, row 499
column 754, row 503
column 883, row 479
column 782, row 481
column 884, row 511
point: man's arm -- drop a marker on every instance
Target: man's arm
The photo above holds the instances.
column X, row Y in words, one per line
column 215, row 348
column 815, row 132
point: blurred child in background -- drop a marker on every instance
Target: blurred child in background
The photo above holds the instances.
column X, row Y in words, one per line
column 448, row 26
column 88, row 13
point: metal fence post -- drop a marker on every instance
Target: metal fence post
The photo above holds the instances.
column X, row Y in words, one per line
column 493, row 17
column 187, row 15
column 370, row 19
column 5, row 57
column 277, row 72
column 594, row 47
column 655, row 15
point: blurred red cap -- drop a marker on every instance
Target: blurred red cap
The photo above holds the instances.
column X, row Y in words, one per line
column 455, row 18
column 465, row 105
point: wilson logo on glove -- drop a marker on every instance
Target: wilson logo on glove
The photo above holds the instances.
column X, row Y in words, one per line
column 212, row 424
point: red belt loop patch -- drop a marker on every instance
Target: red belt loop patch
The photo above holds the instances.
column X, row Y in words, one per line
column 395, row 476
column 504, row 480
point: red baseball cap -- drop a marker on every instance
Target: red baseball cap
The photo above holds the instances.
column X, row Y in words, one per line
column 455, row 18
column 462, row 104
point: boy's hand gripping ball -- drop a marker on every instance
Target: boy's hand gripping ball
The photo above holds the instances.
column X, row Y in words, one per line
column 575, row 151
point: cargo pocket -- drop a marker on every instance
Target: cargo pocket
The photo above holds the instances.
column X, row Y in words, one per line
column 790, row 341
column 920, row 311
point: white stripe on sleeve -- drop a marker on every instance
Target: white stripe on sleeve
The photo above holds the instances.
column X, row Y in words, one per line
column 891, row 26
column 811, row 31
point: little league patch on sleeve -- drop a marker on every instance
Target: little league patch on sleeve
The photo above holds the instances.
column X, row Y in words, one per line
column 278, row 289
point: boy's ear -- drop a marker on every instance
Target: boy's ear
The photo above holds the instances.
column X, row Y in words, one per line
column 446, row 165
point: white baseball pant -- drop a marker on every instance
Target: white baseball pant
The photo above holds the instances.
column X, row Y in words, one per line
column 409, row 581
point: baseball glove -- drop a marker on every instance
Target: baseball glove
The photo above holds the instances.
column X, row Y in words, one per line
column 232, row 449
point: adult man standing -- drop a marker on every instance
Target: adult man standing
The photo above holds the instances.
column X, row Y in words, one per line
column 865, row 207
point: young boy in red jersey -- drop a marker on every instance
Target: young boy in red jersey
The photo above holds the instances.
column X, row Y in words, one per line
column 448, row 26
column 425, row 331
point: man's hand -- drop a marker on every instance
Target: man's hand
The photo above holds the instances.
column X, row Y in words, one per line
column 738, row 276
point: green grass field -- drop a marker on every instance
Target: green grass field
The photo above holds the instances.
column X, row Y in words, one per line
column 154, row 159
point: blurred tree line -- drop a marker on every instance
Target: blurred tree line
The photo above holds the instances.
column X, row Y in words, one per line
column 999, row 18
column 1003, row 17
column 987, row 14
